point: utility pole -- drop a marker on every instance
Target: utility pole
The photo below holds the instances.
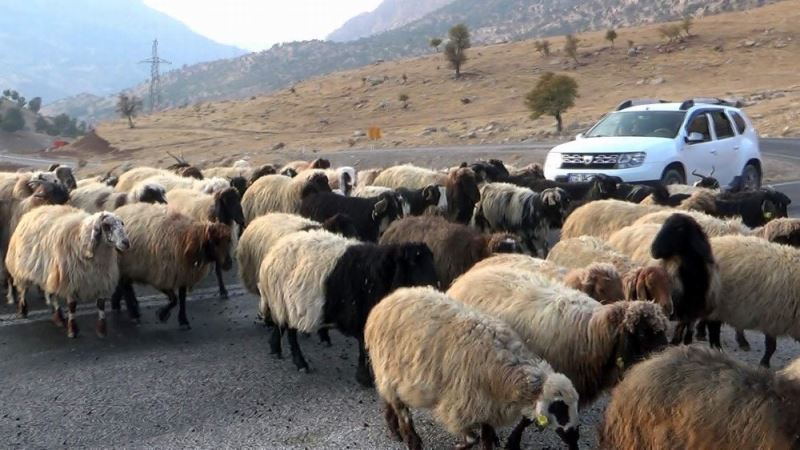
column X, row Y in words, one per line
column 155, row 81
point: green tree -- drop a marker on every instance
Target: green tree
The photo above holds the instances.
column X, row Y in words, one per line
column 611, row 35
column 542, row 47
column 35, row 104
column 456, row 49
column 672, row 32
column 21, row 102
column 552, row 96
column 41, row 125
column 571, row 47
column 7, row 93
column 14, row 95
column 435, row 43
column 128, row 107
column 13, row 120
column 686, row 25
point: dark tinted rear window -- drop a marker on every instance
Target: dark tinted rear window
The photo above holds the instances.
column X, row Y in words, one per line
column 741, row 125
column 722, row 125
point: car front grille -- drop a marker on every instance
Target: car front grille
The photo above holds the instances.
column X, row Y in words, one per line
column 588, row 161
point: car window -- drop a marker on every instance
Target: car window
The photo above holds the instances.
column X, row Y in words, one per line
column 722, row 125
column 700, row 125
column 741, row 125
column 664, row 124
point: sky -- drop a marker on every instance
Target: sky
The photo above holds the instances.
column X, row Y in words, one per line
column 258, row 24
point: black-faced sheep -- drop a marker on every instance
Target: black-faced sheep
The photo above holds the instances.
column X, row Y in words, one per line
column 470, row 369
column 223, row 207
column 429, row 198
column 313, row 279
column 455, row 247
column 169, row 251
column 756, row 208
column 182, row 168
column 69, row 254
column 102, row 197
column 590, row 343
column 370, row 216
column 599, row 188
column 19, row 185
column 277, row 193
column 491, row 171
column 514, row 209
column 342, row 180
column 698, row 398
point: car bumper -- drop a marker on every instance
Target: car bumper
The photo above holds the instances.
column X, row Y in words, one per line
column 641, row 174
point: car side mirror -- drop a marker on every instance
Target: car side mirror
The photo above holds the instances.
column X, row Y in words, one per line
column 695, row 137
column 579, row 136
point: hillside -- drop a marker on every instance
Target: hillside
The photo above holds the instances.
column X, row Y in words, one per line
column 331, row 112
column 390, row 14
column 491, row 20
column 58, row 49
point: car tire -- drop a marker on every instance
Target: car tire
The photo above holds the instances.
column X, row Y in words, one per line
column 672, row 175
column 751, row 178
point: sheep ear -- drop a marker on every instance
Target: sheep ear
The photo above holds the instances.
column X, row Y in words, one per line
column 641, row 286
column 380, row 208
column 429, row 193
column 90, row 236
column 629, row 285
column 766, row 211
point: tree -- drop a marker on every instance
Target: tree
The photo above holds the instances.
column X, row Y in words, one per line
column 571, row 47
column 435, row 43
column 41, row 125
column 552, row 96
column 456, row 49
column 672, row 32
column 14, row 95
column 128, row 107
column 404, row 98
column 7, row 93
column 13, row 120
column 686, row 25
column 21, row 102
column 542, row 47
column 631, row 43
column 35, row 104
column 611, row 35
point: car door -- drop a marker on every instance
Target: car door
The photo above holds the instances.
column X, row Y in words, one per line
column 728, row 144
column 698, row 156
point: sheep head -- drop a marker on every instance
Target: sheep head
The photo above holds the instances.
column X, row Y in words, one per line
column 558, row 405
column 228, row 207
column 679, row 235
column 320, row 163
column 650, row 283
column 503, row 243
column 103, row 227
column 774, row 205
column 598, row 280
column 414, row 266
column 341, row 224
column 150, row 193
column 66, row 177
column 387, row 209
column 640, row 329
column 555, row 204
column 47, row 193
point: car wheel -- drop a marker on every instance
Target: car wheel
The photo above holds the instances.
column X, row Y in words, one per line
column 751, row 178
column 672, row 176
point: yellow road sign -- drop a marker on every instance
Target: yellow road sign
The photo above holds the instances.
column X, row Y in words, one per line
column 374, row 133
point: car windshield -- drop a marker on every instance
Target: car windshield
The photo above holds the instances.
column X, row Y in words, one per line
column 663, row 124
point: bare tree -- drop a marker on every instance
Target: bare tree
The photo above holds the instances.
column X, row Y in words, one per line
column 571, row 47
column 128, row 107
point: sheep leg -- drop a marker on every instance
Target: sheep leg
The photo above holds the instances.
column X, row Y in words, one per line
column 700, row 330
column 275, row 341
column 363, row 376
column 741, row 340
column 770, row 344
column 116, row 297
column 72, row 326
column 489, row 437
column 714, row 328
column 470, row 439
column 324, row 337
column 131, row 304
column 391, row 421
column 515, row 438
column 223, row 293
column 406, row 422
column 22, row 303
column 58, row 315
column 182, row 320
column 677, row 336
column 689, row 333
column 297, row 354
column 100, row 327
column 164, row 312
column 11, row 292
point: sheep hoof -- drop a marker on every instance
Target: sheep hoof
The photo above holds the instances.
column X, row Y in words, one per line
column 72, row 329
column 58, row 318
column 304, row 369
column 163, row 314
column 223, row 295
column 100, row 329
column 364, row 379
column 276, row 355
column 185, row 326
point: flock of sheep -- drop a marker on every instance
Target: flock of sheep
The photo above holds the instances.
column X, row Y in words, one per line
column 449, row 284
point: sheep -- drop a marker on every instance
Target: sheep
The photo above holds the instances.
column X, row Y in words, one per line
column 371, row 216
column 601, row 281
column 223, row 207
column 698, row 398
column 638, row 193
column 756, row 208
column 300, row 166
column 599, row 188
column 408, row 176
column 262, row 233
column 506, row 207
column 712, row 226
column 169, row 251
column 760, row 289
column 278, row 193
column 16, row 186
column 638, row 282
column 365, row 191
column 172, row 181
column 781, row 231
column 342, row 179
column 430, row 198
column 129, row 179
column 491, row 171
column 315, row 278
column 108, row 179
column 240, row 168
column 69, row 254
column 367, row 176
column 455, row 247
column 463, row 193
column 470, row 369
column 592, row 344
column 101, row 197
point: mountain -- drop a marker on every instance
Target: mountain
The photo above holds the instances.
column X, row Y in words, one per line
column 390, row 14
column 489, row 21
column 56, row 49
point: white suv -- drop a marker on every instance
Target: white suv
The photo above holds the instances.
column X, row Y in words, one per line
column 651, row 140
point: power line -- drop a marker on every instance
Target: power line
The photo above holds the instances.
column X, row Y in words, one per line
column 155, row 80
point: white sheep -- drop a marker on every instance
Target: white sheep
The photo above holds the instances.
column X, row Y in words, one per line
column 603, row 217
column 172, row 181
column 94, row 197
column 713, row 226
column 409, row 176
column 470, row 369
column 129, row 179
column 278, row 193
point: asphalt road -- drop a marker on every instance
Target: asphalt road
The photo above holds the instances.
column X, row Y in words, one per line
column 215, row 386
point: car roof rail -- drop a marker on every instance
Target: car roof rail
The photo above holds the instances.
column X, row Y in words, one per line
column 708, row 101
column 638, row 102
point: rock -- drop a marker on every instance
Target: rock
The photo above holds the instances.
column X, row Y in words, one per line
column 779, row 44
column 466, row 100
column 359, row 133
column 719, row 48
column 324, row 122
column 749, row 43
column 470, row 135
column 429, row 130
column 656, row 81
column 278, row 146
column 786, row 131
column 632, row 52
column 640, row 82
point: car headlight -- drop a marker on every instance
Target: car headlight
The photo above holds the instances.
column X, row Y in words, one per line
column 553, row 160
column 627, row 160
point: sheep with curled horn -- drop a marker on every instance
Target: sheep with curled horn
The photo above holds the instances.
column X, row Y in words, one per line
column 222, row 207
column 183, row 168
column 602, row 342
column 601, row 281
column 70, row 254
column 471, row 370
column 278, row 193
column 698, row 398
column 169, row 251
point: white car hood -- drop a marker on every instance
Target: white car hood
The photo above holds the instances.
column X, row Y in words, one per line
column 624, row 144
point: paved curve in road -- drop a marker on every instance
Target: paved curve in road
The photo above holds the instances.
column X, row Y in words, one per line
column 214, row 386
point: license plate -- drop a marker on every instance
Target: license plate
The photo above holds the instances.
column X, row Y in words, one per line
column 579, row 177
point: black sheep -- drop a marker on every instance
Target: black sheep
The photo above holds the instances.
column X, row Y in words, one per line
column 370, row 216
column 756, row 208
column 419, row 200
column 600, row 188
column 490, row 171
